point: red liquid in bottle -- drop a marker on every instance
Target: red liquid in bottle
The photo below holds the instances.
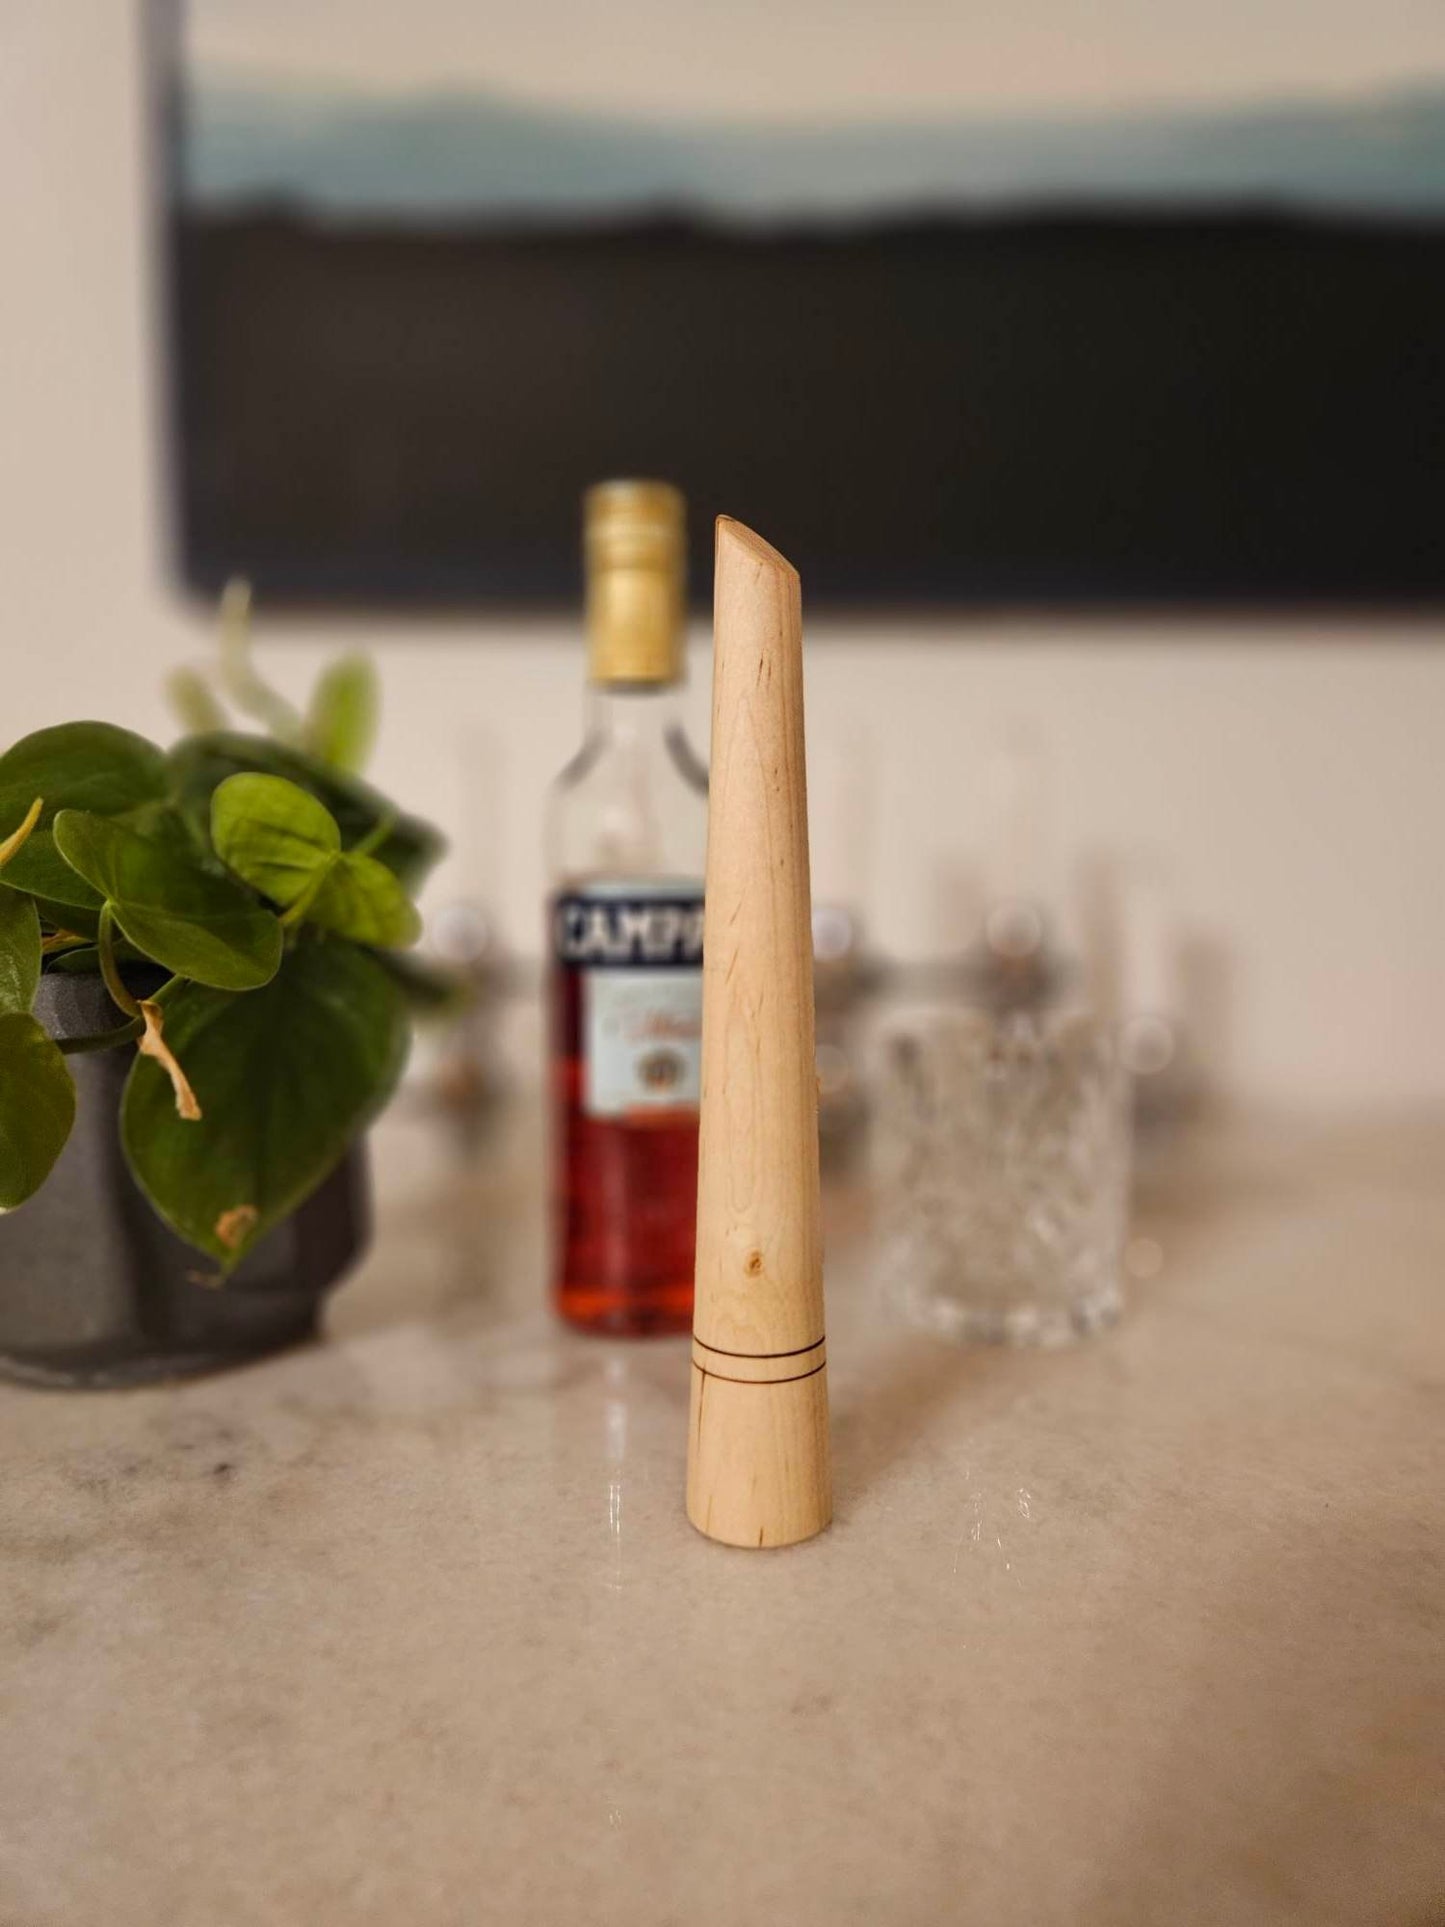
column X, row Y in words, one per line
column 625, row 1199
column 626, row 831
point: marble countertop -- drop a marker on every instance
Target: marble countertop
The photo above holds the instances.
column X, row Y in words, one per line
column 410, row 1627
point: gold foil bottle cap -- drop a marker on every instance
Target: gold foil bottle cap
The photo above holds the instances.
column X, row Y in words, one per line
column 635, row 549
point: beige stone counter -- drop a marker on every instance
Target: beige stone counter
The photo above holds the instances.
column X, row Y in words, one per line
column 409, row 1629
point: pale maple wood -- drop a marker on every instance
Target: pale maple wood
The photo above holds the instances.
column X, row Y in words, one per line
column 758, row 1455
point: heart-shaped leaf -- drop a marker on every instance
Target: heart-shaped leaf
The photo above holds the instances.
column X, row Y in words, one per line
column 199, row 926
column 341, row 722
column 286, row 1077
column 37, row 1106
column 275, row 837
column 82, row 766
column 284, row 843
column 200, row 764
column 361, row 899
column 19, row 950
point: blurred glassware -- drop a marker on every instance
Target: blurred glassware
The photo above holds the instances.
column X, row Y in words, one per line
column 842, row 790
column 1016, row 961
column 1154, row 1035
column 469, row 1078
column 1015, row 966
column 844, row 978
column 1135, row 965
column 1004, row 1151
column 1018, row 817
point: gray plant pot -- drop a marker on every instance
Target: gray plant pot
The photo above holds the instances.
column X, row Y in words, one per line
column 96, row 1291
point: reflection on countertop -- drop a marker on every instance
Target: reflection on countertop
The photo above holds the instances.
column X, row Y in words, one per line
column 410, row 1626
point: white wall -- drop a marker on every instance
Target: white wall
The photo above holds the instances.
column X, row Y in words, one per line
column 1296, row 776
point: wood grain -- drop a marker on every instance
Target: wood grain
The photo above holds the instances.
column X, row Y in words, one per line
column 758, row 1470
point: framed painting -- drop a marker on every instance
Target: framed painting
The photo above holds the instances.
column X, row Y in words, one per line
column 963, row 310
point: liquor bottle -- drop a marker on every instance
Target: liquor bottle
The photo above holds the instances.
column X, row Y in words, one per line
column 627, row 834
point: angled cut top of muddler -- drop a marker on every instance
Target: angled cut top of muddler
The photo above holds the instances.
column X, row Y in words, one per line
column 758, row 1457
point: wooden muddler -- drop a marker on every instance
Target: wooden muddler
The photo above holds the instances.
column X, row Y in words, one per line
column 758, row 1464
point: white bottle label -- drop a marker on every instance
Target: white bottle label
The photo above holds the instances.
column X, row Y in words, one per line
column 636, row 947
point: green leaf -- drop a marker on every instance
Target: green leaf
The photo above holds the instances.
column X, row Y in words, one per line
column 83, row 920
column 164, row 823
column 275, row 836
column 281, row 841
column 19, row 950
column 197, row 925
column 286, row 1078
column 201, row 763
column 341, row 722
column 359, row 898
column 81, row 766
column 37, row 1107
column 85, row 962
column 192, row 699
column 431, row 990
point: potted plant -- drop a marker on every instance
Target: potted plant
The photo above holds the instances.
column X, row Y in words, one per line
column 203, row 1004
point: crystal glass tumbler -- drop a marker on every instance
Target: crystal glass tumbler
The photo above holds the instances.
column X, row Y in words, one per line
column 1003, row 1148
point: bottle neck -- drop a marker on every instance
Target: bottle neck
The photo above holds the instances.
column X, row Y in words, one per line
column 633, row 715
column 634, row 624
